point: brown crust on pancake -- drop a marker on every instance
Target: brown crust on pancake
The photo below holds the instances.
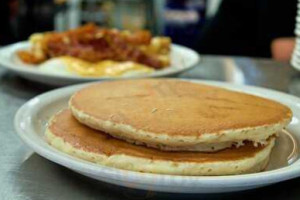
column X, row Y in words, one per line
column 176, row 107
column 65, row 126
column 177, row 115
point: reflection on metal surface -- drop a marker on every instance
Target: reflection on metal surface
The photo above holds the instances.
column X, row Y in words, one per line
column 27, row 155
column 233, row 73
column 294, row 86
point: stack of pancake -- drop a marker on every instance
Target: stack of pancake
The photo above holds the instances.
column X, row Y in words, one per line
column 169, row 127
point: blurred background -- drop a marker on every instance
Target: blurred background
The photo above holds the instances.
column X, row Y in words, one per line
column 255, row 28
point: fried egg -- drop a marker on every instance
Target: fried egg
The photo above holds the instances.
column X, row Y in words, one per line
column 67, row 65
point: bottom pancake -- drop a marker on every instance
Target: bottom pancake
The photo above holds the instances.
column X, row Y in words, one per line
column 68, row 135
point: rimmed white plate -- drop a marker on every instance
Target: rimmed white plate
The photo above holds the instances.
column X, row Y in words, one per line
column 32, row 117
column 295, row 59
column 297, row 32
column 182, row 58
column 295, row 63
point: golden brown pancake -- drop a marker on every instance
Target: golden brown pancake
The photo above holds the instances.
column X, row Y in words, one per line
column 178, row 115
column 67, row 134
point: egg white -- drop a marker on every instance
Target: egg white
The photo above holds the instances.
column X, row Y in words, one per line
column 57, row 66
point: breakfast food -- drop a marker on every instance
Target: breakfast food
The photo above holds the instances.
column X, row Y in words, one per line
column 169, row 126
column 94, row 47
column 175, row 115
column 74, row 66
column 68, row 135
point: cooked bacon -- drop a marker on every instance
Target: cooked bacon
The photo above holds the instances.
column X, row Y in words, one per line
column 94, row 44
column 123, row 51
column 29, row 57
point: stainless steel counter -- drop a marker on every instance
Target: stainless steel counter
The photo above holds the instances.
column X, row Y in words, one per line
column 25, row 175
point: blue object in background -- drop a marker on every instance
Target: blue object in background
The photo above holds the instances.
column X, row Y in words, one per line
column 183, row 20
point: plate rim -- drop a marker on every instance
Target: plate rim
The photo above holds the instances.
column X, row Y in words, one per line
column 5, row 62
column 66, row 160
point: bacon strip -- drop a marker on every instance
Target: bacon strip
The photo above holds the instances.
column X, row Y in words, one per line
column 94, row 44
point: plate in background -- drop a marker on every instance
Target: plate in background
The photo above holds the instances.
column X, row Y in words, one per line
column 182, row 58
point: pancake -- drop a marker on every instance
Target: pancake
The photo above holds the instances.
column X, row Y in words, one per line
column 68, row 135
column 178, row 115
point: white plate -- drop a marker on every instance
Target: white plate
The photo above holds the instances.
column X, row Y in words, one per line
column 182, row 58
column 31, row 119
column 297, row 32
column 295, row 63
column 295, row 59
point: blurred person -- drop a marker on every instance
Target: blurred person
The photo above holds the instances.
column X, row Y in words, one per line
column 256, row 28
column 7, row 12
column 35, row 16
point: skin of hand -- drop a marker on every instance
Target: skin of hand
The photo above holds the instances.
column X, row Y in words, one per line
column 282, row 48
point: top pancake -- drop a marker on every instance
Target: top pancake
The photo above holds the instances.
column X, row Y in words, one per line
column 177, row 113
